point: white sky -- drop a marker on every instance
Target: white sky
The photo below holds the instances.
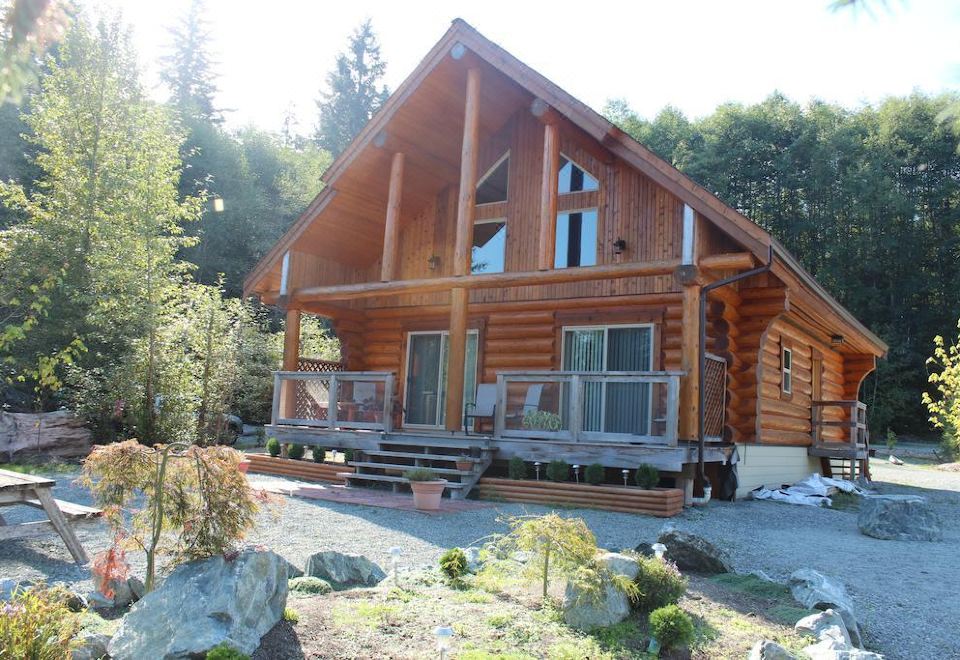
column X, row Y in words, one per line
column 694, row 55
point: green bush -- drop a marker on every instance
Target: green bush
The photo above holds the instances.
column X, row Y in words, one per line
column 420, row 474
column 308, row 584
column 671, row 627
column 517, row 468
column 37, row 623
column 296, row 452
column 319, row 454
column 594, row 474
column 453, row 563
column 224, row 651
column 348, row 454
column 659, row 583
column 542, row 420
column 290, row 615
column 647, row 476
column 558, row 471
column 273, row 447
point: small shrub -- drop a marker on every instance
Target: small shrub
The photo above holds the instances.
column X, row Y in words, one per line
column 224, row 651
column 273, row 447
column 647, row 476
column 420, row 474
column 37, row 623
column 296, row 452
column 290, row 615
column 308, row 584
column 891, row 439
column 659, row 584
column 542, row 420
column 671, row 627
column 453, row 563
column 558, row 471
column 319, row 454
column 347, row 455
column 517, row 468
column 594, row 474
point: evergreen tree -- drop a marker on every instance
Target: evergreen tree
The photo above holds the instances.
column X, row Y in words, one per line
column 354, row 91
column 188, row 70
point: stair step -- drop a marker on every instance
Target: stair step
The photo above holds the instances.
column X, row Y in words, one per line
column 412, row 454
column 395, row 466
column 351, row 476
column 427, row 441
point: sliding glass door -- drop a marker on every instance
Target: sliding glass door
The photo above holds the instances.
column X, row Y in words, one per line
column 612, row 407
column 426, row 390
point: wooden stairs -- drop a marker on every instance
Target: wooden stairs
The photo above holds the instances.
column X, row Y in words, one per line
column 398, row 453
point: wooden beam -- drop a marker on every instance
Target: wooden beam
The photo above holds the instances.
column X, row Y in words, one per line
column 456, row 356
column 391, row 230
column 689, row 362
column 291, row 358
column 486, row 281
column 729, row 261
column 548, row 197
column 468, row 175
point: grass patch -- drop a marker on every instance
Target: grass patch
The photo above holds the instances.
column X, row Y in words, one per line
column 787, row 614
column 367, row 614
column 500, row 621
column 845, row 501
column 473, row 596
column 40, row 468
column 290, row 615
column 751, row 584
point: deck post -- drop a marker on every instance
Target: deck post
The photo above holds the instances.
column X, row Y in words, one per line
column 291, row 360
column 461, row 257
column 688, row 275
column 391, row 229
column 548, row 197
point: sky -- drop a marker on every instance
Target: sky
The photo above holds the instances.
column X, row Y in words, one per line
column 273, row 57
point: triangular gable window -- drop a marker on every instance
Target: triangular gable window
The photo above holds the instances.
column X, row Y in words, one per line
column 574, row 178
column 492, row 187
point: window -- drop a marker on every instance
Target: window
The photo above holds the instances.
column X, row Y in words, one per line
column 786, row 366
column 576, row 239
column 489, row 246
column 492, row 186
column 574, row 178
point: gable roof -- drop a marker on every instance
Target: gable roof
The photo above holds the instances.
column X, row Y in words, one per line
column 616, row 141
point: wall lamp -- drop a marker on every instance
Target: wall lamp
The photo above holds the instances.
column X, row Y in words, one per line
column 619, row 246
column 433, row 262
column 836, row 340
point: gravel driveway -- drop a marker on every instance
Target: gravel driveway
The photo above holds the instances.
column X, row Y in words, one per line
column 907, row 593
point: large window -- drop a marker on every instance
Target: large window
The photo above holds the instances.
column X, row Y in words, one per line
column 574, row 178
column 489, row 246
column 576, row 239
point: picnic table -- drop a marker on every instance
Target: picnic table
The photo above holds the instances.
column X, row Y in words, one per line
column 16, row 488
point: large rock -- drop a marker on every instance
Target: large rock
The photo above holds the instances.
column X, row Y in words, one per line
column 293, row 571
column 343, row 571
column 613, row 606
column 474, row 557
column 205, row 603
column 900, row 518
column 694, row 553
column 819, row 592
column 767, row 649
column 826, row 625
column 90, row 646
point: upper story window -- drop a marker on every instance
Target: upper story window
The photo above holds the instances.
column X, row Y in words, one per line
column 574, row 178
column 489, row 246
column 786, row 366
column 576, row 239
column 492, row 186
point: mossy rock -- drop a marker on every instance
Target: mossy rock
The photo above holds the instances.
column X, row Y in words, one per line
column 310, row 585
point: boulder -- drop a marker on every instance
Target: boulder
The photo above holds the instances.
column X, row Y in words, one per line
column 694, row 553
column 819, row 592
column 900, row 518
column 645, row 549
column 343, row 571
column 766, row 649
column 126, row 592
column 585, row 612
column 204, row 603
column 474, row 559
column 293, row 571
column 826, row 625
column 90, row 646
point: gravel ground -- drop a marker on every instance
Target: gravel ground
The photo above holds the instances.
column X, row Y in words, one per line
column 906, row 593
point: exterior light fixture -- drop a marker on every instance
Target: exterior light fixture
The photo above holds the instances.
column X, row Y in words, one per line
column 395, row 553
column 218, row 204
column 536, row 468
column 619, row 246
column 625, row 473
column 658, row 550
column 433, row 262
column 836, row 340
column 576, row 473
column 444, row 635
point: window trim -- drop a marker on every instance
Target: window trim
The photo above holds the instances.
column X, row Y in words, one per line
column 556, row 224
column 489, row 173
column 786, row 372
column 487, row 221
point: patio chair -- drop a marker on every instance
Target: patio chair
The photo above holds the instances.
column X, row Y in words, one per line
column 531, row 402
column 485, row 406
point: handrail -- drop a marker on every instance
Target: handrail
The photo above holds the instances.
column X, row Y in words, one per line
column 572, row 395
column 290, row 393
column 859, row 434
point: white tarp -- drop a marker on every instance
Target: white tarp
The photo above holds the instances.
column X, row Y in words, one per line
column 815, row 490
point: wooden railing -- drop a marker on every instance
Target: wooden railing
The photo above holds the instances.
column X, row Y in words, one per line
column 856, row 434
column 631, row 407
column 344, row 399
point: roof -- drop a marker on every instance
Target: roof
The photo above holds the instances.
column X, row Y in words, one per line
column 622, row 145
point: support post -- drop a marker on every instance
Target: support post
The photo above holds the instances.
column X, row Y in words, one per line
column 689, row 362
column 548, row 197
column 457, row 354
column 391, row 229
column 291, row 359
column 468, row 175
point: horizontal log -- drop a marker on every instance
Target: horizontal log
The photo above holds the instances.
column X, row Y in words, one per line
column 584, row 504
column 518, row 361
column 520, row 318
column 384, row 336
column 770, row 436
column 518, row 331
column 520, row 346
column 619, row 491
column 728, row 261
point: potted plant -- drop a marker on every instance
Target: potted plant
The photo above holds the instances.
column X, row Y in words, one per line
column 542, row 420
column 464, row 464
column 427, row 488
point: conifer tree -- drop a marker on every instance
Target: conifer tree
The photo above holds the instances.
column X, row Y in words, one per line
column 188, row 69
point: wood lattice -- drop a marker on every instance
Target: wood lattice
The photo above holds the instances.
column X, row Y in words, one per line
column 714, row 396
column 313, row 396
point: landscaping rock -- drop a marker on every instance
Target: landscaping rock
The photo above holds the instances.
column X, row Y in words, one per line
column 826, row 625
column 585, row 613
column 693, row 553
column 293, row 571
column 829, row 650
column 343, row 571
column 308, row 584
column 205, row 603
column 644, row 549
column 90, row 646
column 76, row 602
column 766, row 649
column 819, row 592
column 474, row 562
column 900, row 518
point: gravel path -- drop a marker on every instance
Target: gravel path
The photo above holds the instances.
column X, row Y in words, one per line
column 906, row 593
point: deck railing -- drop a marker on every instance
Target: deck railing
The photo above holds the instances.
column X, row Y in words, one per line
column 853, row 420
column 345, row 399
column 631, row 407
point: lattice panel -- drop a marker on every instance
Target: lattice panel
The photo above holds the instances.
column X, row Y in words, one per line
column 317, row 365
column 313, row 396
column 714, row 391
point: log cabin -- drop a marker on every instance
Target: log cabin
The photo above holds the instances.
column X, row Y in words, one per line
column 490, row 245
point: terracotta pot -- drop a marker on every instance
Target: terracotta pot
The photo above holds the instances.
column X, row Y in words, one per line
column 465, row 466
column 427, row 494
column 244, row 466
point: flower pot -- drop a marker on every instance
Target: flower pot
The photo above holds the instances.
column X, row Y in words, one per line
column 427, row 494
column 243, row 466
column 465, row 466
